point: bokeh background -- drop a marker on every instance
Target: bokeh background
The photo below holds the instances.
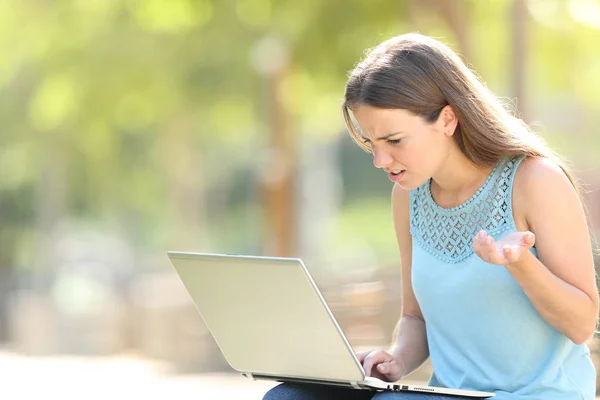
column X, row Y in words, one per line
column 133, row 127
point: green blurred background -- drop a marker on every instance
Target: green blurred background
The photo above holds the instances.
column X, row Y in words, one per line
column 133, row 127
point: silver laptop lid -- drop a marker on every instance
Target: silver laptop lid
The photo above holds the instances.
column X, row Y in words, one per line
column 267, row 316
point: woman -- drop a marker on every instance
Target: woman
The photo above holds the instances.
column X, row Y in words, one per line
column 498, row 280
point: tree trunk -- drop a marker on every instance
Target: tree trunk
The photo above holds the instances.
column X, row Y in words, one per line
column 519, row 56
column 277, row 177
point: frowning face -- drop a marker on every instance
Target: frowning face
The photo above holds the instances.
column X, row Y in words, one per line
column 406, row 146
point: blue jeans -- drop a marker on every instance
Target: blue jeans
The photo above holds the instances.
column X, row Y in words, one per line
column 306, row 391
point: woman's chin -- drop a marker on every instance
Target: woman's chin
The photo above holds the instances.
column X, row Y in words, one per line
column 409, row 184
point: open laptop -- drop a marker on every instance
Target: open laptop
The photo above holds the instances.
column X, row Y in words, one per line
column 271, row 322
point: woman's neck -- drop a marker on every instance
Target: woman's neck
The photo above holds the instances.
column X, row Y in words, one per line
column 457, row 180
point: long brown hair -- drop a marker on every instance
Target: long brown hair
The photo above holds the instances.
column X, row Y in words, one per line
column 422, row 75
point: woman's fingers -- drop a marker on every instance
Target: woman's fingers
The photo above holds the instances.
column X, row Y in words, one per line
column 389, row 370
column 529, row 239
column 504, row 251
column 485, row 248
column 511, row 254
column 374, row 358
column 361, row 355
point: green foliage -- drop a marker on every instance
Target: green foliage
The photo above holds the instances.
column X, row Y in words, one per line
column 125, row 107
column 367, row 223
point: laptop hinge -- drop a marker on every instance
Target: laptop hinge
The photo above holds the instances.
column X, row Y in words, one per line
column 355, row 385
column 248, row 375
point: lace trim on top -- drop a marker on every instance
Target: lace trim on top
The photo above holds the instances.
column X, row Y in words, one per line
column 448, row 233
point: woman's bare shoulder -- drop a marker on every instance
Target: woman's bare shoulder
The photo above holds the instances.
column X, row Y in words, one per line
column 539, row 183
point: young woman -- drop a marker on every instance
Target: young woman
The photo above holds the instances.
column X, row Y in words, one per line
column 498, row 281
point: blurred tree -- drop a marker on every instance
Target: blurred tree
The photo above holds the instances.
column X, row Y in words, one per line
column 144, row 115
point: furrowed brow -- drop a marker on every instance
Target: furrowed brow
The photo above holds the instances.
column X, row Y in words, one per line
column 384, row 137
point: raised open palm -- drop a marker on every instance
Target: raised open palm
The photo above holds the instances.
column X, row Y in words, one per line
column 507, row 250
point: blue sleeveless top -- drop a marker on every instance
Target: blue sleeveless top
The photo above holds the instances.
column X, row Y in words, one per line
column 483, row 332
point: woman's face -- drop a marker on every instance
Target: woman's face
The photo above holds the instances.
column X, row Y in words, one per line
column 404, row 145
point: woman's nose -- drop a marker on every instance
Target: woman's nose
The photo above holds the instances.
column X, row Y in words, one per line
column 381, row 159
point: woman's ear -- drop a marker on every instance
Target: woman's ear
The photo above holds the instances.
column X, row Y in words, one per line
column 448, row 120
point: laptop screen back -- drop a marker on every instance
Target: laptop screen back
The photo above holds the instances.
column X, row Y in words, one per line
column 267, row 316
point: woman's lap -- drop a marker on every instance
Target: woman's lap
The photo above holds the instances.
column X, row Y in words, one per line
column 411, row 396
column 305, row 391
column 302, row 391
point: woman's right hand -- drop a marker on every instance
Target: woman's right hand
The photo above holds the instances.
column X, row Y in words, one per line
column 380, row 364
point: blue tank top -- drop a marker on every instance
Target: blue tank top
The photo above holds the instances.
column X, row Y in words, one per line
column 483, row 332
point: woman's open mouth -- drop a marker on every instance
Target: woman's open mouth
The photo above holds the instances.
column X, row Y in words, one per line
column 396, row 175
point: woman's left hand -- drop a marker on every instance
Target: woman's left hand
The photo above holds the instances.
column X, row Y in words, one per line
column 507, row 250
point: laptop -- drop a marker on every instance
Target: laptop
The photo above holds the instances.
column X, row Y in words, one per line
column 271, row 322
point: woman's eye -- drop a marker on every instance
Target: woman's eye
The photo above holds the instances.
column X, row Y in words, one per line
column 394, row 141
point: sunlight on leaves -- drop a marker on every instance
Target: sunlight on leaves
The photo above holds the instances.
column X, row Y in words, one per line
column 16, row 167
column 586, row 12
column 587, row 84
column 233, row 119
column 254, row 13
column 550, row 13
column 135, row 111
column 322, row 122
column 9, row 51
column 98, row 142
column 294, row 21
column 101, row 9
column 297, row 91
column 172, row 16
column 54, row 102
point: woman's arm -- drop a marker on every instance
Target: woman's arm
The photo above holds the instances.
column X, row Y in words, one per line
column 409, row 346
column 561, row 284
